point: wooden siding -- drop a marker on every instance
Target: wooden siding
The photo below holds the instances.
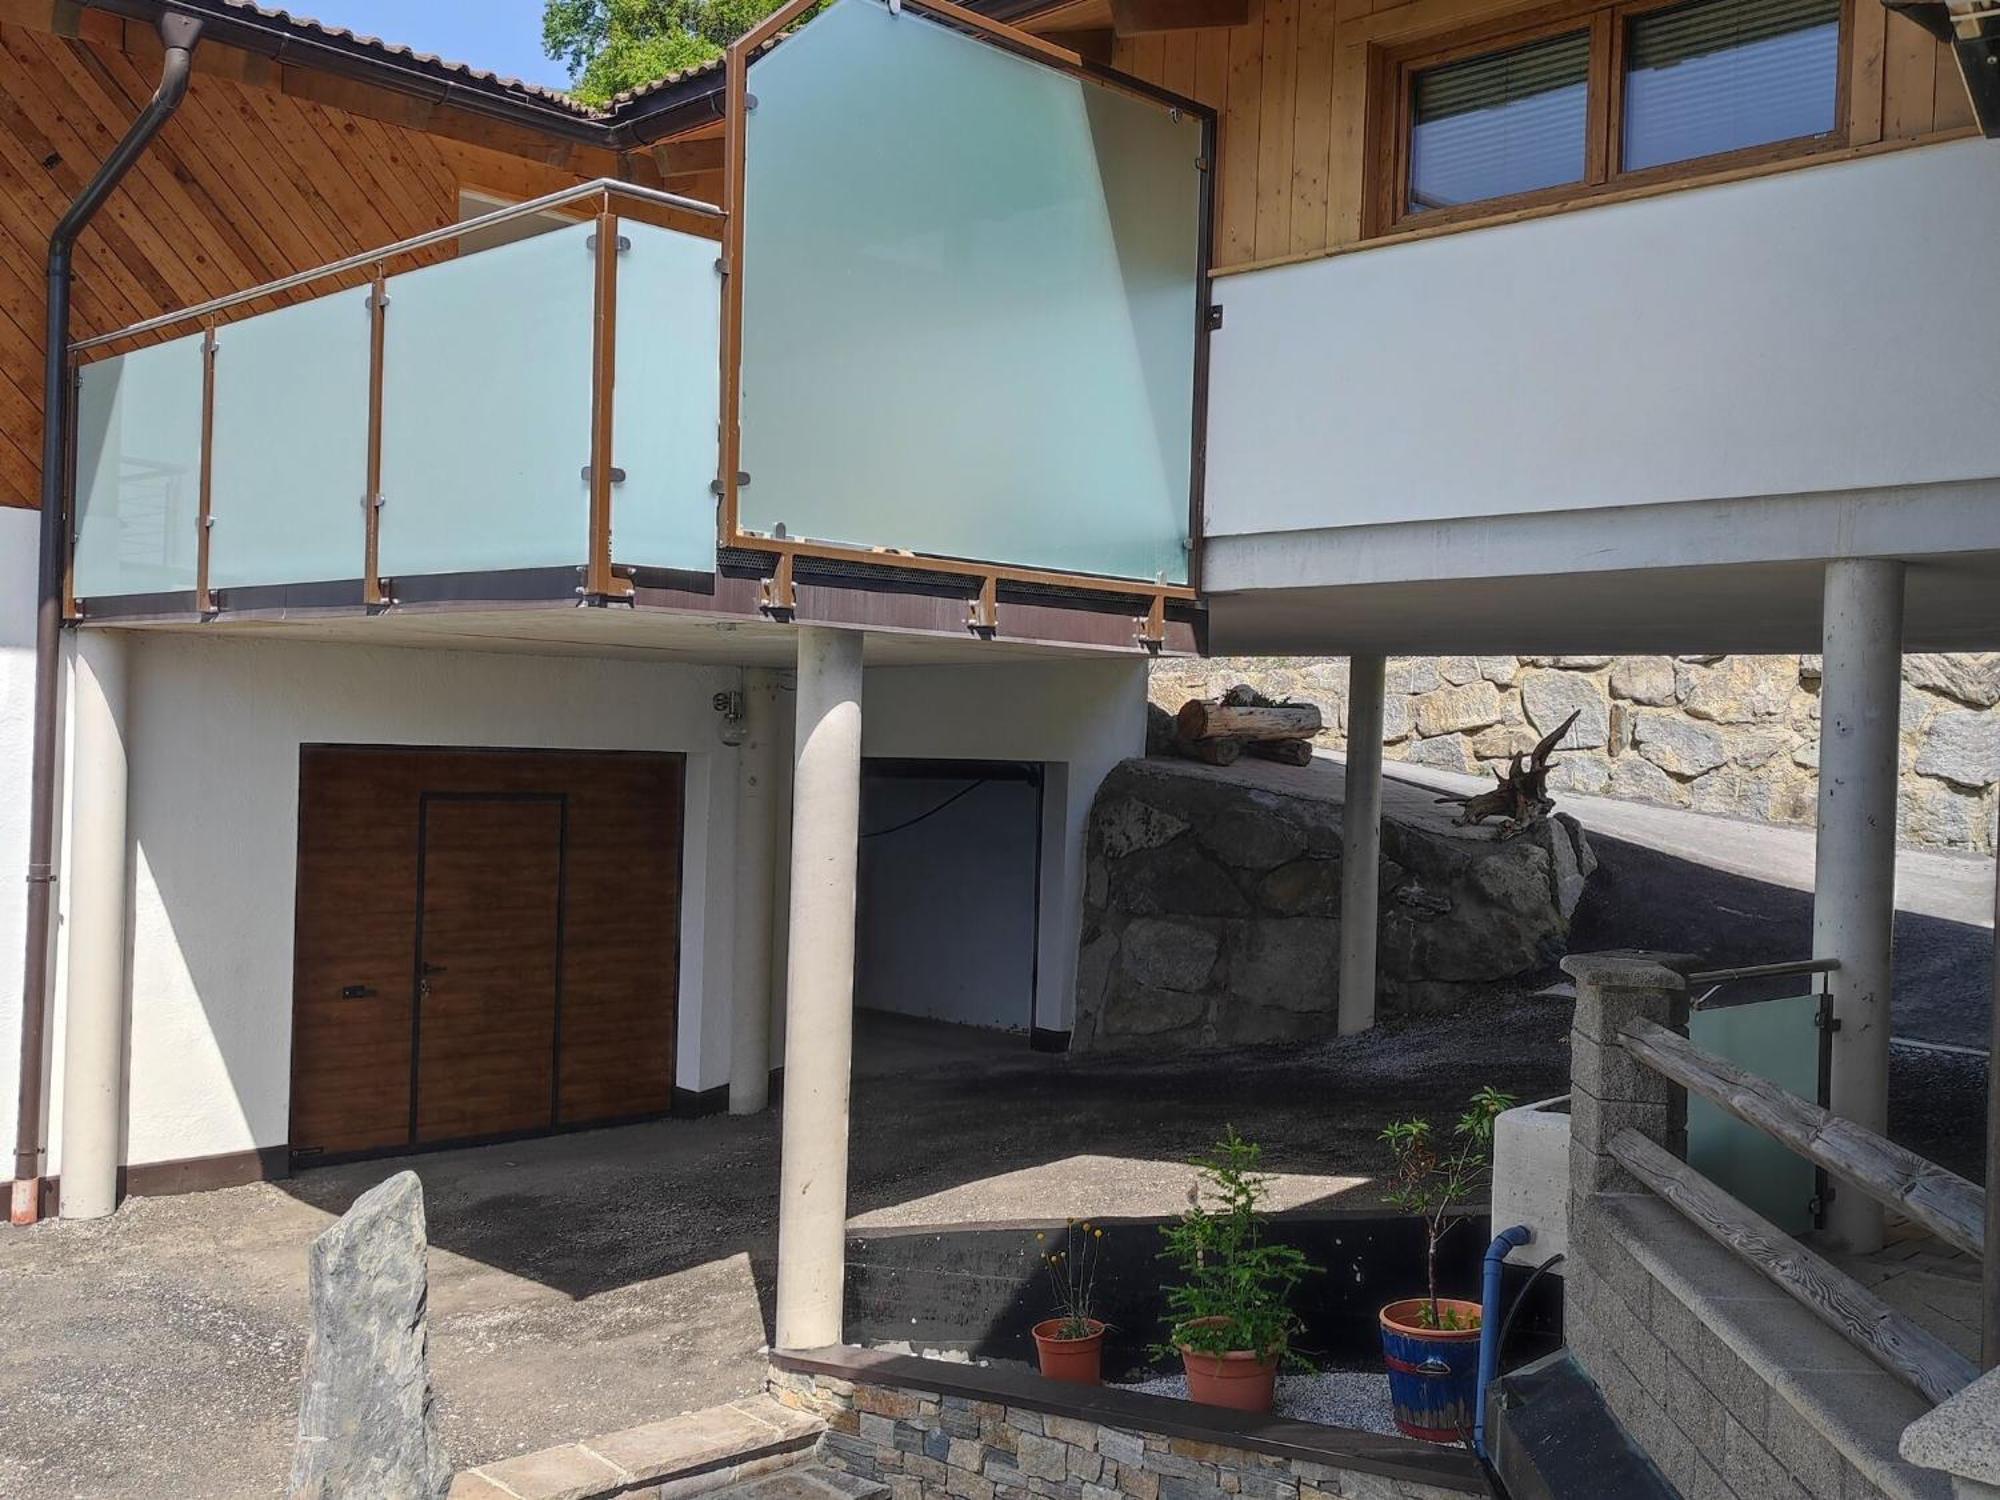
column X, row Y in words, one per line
column 261, row 173
column 1292, row 86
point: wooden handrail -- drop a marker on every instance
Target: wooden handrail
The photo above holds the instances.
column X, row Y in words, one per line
column 1901, row 1347
column 1943, row 1202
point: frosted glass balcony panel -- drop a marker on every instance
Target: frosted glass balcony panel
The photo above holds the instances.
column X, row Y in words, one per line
column 486, row 410
column 138, row 471
column 1778, row 1040
column 970, row 297
column 666, row 400
column 290, row 453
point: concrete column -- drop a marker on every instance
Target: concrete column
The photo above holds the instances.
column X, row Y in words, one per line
column 94, row 1014
column 756, row 880
column 1361, row 843
column 1854, row 867
column 819, row 1025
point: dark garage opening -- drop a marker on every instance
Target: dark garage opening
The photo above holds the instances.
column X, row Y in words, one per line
column 948, row 921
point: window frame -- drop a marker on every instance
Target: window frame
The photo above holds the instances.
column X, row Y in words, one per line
column 1395, row 70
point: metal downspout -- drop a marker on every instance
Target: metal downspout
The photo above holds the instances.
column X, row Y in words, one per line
column 179, row 34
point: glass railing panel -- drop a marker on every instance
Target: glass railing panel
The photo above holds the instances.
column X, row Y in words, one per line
column 1778, row 1040
column 666, row 399
column 290, row 448
column 486, row 410
column 138, row 472
column 970, row 298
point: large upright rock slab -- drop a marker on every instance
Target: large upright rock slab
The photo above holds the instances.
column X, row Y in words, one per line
column 367, row 1426
column 1212, row 904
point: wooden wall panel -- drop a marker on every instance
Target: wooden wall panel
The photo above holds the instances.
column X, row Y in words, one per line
column 243, row 186
column 1291, row 89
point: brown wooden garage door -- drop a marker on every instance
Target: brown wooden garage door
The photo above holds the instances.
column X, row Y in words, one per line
column 487, row 944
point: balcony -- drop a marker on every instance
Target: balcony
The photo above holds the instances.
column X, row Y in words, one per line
column 958, row 335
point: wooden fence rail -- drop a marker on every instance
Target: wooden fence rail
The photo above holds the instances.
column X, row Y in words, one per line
column 1943, row 1202
column 1850, row 1309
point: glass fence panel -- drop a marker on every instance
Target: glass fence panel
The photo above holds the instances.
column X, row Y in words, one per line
column 666, row 400
column 969, row 305
column 138, row 472
column 486, row 410
column 290, row 451
column 1777, row 1040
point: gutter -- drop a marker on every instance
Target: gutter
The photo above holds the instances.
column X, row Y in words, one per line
column 179, row 34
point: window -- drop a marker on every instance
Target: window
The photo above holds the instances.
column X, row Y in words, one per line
column 1584, row 103
column 1506, row 123
column 1721, row 75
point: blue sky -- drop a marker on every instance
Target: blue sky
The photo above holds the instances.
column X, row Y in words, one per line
column 504, row 36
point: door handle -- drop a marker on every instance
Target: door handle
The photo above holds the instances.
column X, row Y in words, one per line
column 430, row 969
column 357, row 992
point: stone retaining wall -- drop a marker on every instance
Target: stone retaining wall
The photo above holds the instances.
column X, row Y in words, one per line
column 929, row 1446
column 1734, row 735
column 1211, row 909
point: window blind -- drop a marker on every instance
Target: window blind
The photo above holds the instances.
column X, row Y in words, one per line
column 1509, row 122
column 1722, row 75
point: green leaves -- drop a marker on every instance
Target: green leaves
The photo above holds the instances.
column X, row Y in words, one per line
column 1235, row 1289
column 611, row 46
column 1430, row 1178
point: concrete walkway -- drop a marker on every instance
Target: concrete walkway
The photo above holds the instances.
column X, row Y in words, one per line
column 592, row 1282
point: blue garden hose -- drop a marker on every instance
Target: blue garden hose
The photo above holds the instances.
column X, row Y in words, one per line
column 1489, row 1322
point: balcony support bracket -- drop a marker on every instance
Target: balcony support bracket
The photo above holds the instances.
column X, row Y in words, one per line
column 1151, row 628
column 982, row 616
column 779, row 595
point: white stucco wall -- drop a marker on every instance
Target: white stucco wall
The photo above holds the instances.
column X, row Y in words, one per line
column 1720, row 342
column 214, row 730
column 17, row 678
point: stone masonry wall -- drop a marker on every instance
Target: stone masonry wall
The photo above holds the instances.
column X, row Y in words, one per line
column 925, row 1446
column 1733, row 735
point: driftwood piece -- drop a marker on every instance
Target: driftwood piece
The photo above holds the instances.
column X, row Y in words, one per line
column 1260, row 721
column 1284, row 752
column 1521, row 800
column 1895, row 1342
column 1943, row 1202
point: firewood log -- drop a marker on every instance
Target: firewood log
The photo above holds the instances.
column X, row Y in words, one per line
column 1284, row 752
column 1213, row 752
column 1275, row 721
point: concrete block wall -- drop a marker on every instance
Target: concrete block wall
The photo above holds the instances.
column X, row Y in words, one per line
column 1734, row 1390
column 928, row 1446
column 1732, row 735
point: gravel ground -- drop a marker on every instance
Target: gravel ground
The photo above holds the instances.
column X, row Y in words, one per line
column 1354, row 1399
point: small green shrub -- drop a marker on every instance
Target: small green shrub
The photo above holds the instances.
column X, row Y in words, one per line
column 1430, row 1178
column 1228, row 1273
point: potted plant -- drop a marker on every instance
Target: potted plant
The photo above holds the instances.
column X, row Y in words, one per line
column 1070, row 1345
column 1232, row 1316
column 1431, row 1343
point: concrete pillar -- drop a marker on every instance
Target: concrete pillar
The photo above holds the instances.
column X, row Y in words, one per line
column 94, row 1013
column 819, row 1026
column 1361, row 843
column 756, row 880
column 1854, row 867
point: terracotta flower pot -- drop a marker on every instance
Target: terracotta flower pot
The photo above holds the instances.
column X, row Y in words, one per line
column 1433, row 1372
column 1078, row 1361
column 1241, row 1380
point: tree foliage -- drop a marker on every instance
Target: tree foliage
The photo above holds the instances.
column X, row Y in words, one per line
column 610, row 46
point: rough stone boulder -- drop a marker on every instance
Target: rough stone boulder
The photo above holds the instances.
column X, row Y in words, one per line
column 367, row 1426
column 1212, row 904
